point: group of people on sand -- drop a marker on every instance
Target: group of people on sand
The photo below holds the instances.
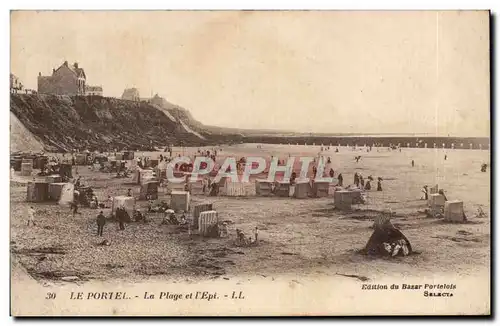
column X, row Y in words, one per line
column 121, row 215
column 212, row 154
column 359, row 181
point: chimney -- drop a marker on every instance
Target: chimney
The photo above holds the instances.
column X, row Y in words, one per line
column 66, row 63
column 53, row 70
column 75, row 65
column 39, row 74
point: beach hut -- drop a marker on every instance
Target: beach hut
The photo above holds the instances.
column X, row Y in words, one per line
column 55, row 190
column 302, row 189
column 180, row 200
column 454, row 211
column 235, row 189
column 40, row 162
column 149, row 189
column 37, row 192
column 436, row 200
column 342, row 199
column 320, row 189
column 65, row 170
column 223, row 186
column 282, row 189
column 207, row 220
column 160, row 173
column 263, row 187
column 26, row 169
column 198, row 209
column 141, row 176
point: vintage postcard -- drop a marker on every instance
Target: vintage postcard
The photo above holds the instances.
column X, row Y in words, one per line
column 250, row 163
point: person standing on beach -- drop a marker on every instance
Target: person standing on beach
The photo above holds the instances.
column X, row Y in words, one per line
column 109, row 202
column 341, row 179
column 425, row 190
column 120, row 216
column 379, row 184
column 74, row 207
column 368, row 185
column 31, row 216
column 412, row 163
column 101, row 221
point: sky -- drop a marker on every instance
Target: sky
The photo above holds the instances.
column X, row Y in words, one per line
column 307, row 71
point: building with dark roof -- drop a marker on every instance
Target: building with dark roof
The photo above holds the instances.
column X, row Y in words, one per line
column 65, row 80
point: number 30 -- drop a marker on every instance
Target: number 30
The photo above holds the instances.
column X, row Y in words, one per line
column 50, row 295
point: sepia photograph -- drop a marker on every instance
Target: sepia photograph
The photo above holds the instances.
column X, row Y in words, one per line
column 250, row 163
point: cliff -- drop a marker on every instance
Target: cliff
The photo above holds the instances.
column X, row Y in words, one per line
column 63, row 123
column 212, row 134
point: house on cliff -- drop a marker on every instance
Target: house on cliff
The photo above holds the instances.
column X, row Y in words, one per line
column 157, row 100
column 131, row 94
column 66, row 80
column 15, row 84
